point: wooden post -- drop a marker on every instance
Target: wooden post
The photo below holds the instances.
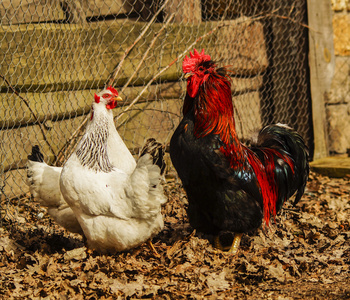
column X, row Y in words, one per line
column 321, row 62
column 186, row 12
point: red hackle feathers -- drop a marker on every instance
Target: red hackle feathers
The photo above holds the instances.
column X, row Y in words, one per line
column 189, row 64
column 218, row 117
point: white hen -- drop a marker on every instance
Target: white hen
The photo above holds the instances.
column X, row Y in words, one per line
column 117, row 209
column 43, row 180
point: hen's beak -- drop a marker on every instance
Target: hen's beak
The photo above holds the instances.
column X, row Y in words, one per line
column 188, row 75
column 118, row 98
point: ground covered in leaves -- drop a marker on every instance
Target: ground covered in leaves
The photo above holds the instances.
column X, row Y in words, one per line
column 305, row 254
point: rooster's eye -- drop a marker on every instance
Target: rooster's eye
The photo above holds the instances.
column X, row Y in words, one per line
column 106, row 96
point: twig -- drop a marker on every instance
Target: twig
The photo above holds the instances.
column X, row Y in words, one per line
column 272, row 14
column 292, row 20
column 157, row 110
column 25, row 101
column 68, row 144
column 156, row 76
column 147, row 51
column 166, row 68
column 126, row 53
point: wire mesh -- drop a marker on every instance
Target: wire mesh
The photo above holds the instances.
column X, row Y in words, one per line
column 55, row 54
column 338, row 99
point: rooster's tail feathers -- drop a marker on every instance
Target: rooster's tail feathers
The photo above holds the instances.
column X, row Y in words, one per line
column 285, row 138
column 156, row 150
column 36, row 155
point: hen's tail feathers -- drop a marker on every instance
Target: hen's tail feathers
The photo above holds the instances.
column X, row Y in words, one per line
column 156, row 150
column 36, row 155
column 291, row 144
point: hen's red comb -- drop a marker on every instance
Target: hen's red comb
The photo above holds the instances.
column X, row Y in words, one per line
column 189, row 64
column 112, row 90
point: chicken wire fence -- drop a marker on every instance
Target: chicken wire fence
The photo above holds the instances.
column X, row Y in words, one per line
column 56, row 54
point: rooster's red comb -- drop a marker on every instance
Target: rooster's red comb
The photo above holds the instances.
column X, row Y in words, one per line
column 189, row 64
column 112, row 90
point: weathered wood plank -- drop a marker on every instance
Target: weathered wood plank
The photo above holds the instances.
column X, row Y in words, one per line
column 14, row 12
column 335, row 166
column 242, row 47
column 55, row 106
column 247, row 114
column 186, row 12
column 95, row 8
column 86, row 56
column 321, row 61
column 14, row 185
column 16, row 144
column 68, row 104
column 29, row 11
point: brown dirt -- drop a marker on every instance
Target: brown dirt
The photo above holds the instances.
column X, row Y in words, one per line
column 305, row 254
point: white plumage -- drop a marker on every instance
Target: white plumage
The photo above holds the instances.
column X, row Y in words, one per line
column 44, row 185
column 116, row 202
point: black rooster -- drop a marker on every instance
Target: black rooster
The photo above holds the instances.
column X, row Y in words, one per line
column 231, row 187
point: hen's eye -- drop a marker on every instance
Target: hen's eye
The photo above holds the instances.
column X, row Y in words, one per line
column 106, row 96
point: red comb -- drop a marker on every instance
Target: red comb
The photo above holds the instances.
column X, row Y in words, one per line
column 189, row 64
column 112, row 90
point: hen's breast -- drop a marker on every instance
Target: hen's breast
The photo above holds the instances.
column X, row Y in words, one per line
column 122, row 158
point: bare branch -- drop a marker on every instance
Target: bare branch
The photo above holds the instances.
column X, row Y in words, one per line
column 147, row 51
column 127, row 51
column 220, row 24
column 25, row 101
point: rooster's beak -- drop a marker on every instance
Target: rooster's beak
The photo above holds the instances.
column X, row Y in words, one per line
column 188, row 75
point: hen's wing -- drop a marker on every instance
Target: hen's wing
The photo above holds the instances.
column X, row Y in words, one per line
column 145, row 190
column 43, row 182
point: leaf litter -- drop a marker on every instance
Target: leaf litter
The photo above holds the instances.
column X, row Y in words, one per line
column 303, row 254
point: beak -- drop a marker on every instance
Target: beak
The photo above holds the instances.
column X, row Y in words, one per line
column 118, row 98
column 188, row 75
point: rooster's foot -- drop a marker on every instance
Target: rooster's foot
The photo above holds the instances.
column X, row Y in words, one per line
column 235, row 244
column 218, row 245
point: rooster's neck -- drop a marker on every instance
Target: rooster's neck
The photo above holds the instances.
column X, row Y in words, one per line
column 92, row 149
column 213, row 114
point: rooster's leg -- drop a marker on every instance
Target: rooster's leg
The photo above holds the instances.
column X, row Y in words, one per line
column 151, row 246
column 235, row 243
column 218, row 245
